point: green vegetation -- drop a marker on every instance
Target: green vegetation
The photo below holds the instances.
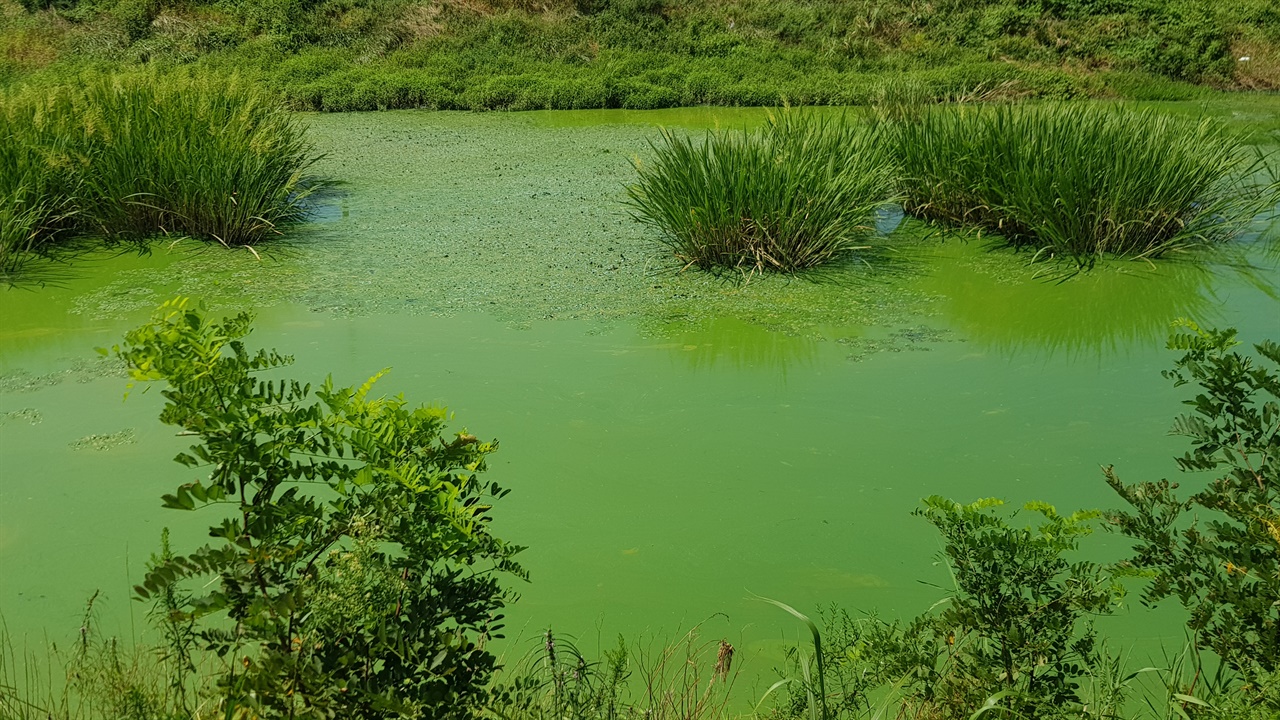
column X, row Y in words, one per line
column 96, row 677
column 1223, row 563
column 352, row 572
column 1081, row 181
column 799, row 193
column 132, row 156
column 372, row 597
column 1014, row 638
column 689, row 679
column 1019, row 612
column 516, row 54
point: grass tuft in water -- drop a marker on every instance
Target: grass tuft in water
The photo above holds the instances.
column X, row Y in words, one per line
column 1081, row 181
column 133, row 156
column 798, row 193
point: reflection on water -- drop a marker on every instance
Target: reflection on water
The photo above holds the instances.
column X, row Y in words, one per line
column 1000, row 302
column 997, row 301
column 329, row 205
column 732, row 343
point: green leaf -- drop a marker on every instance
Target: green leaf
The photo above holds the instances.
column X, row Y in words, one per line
column 1192, row 700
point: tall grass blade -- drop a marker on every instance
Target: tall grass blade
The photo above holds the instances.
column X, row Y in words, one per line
column 817, row 649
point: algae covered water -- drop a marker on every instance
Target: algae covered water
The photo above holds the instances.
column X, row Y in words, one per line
column 675, row 443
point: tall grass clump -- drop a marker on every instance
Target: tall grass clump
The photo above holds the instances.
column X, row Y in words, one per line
column 132, row 156
column 38, row 178
column 798, row 193
column 1081, row 181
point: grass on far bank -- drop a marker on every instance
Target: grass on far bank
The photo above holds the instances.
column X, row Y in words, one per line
column 339, row 55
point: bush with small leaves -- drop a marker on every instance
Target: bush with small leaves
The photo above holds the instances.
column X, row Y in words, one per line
column 1215, row 545
column 352, row 571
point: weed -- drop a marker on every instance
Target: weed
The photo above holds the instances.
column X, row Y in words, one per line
column 797, row 194
column 97, row 676
column 132, row 156
column 1081, row 181
column 688, row 679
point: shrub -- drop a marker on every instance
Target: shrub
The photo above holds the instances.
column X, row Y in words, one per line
column 796, row 194
column 1223, row 562
column 1184, row 42
column 1015, row 639
column 355, row 576
column 135, row 17
column 1081, row 181
column 1019, row 619
column 133, row 156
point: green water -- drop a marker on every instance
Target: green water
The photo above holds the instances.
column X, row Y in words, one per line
column 674, row 443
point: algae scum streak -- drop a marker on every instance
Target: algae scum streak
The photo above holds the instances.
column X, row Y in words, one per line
column 675, row 443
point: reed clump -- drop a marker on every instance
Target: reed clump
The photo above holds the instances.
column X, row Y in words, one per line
column 795, row 194
column 128, row 157
column 1080, row 181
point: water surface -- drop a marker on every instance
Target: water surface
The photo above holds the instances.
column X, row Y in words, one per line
column 675, row 443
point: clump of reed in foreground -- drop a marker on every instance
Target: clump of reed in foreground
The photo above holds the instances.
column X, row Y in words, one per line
column 132, row 156
column 1081, row 181
column 798, row 193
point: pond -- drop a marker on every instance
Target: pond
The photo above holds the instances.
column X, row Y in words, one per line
column 675, row 444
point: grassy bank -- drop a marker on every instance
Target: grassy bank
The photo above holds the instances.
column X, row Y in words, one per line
column 513, row 54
